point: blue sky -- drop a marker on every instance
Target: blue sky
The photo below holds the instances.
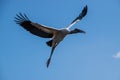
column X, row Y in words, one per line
column 93, row 56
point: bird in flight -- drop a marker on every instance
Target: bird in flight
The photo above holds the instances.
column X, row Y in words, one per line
column 55, row 35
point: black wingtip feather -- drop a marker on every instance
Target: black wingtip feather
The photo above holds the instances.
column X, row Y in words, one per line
column 82, row 14
column 84, row 11
column 26, row 16
column 21, row 18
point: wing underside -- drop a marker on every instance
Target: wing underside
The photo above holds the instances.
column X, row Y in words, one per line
column 38, row 30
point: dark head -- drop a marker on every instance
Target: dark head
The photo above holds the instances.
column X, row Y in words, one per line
column 76, row 31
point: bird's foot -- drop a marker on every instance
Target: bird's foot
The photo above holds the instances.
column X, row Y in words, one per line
column 48, row 62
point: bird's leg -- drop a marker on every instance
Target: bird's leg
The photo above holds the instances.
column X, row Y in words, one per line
column 53, row 48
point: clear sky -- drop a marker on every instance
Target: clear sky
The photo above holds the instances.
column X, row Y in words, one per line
column 91, row 56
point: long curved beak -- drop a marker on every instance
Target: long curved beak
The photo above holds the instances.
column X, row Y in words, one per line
column 81, row 31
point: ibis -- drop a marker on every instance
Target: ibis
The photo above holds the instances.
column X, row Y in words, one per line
column 55, row 35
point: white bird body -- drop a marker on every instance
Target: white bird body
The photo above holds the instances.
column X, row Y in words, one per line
column 55, row 35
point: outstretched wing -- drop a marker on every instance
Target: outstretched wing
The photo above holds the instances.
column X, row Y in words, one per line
column 34, row 28
column 81, row 15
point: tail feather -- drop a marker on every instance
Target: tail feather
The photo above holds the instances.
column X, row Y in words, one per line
column 49, row 43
